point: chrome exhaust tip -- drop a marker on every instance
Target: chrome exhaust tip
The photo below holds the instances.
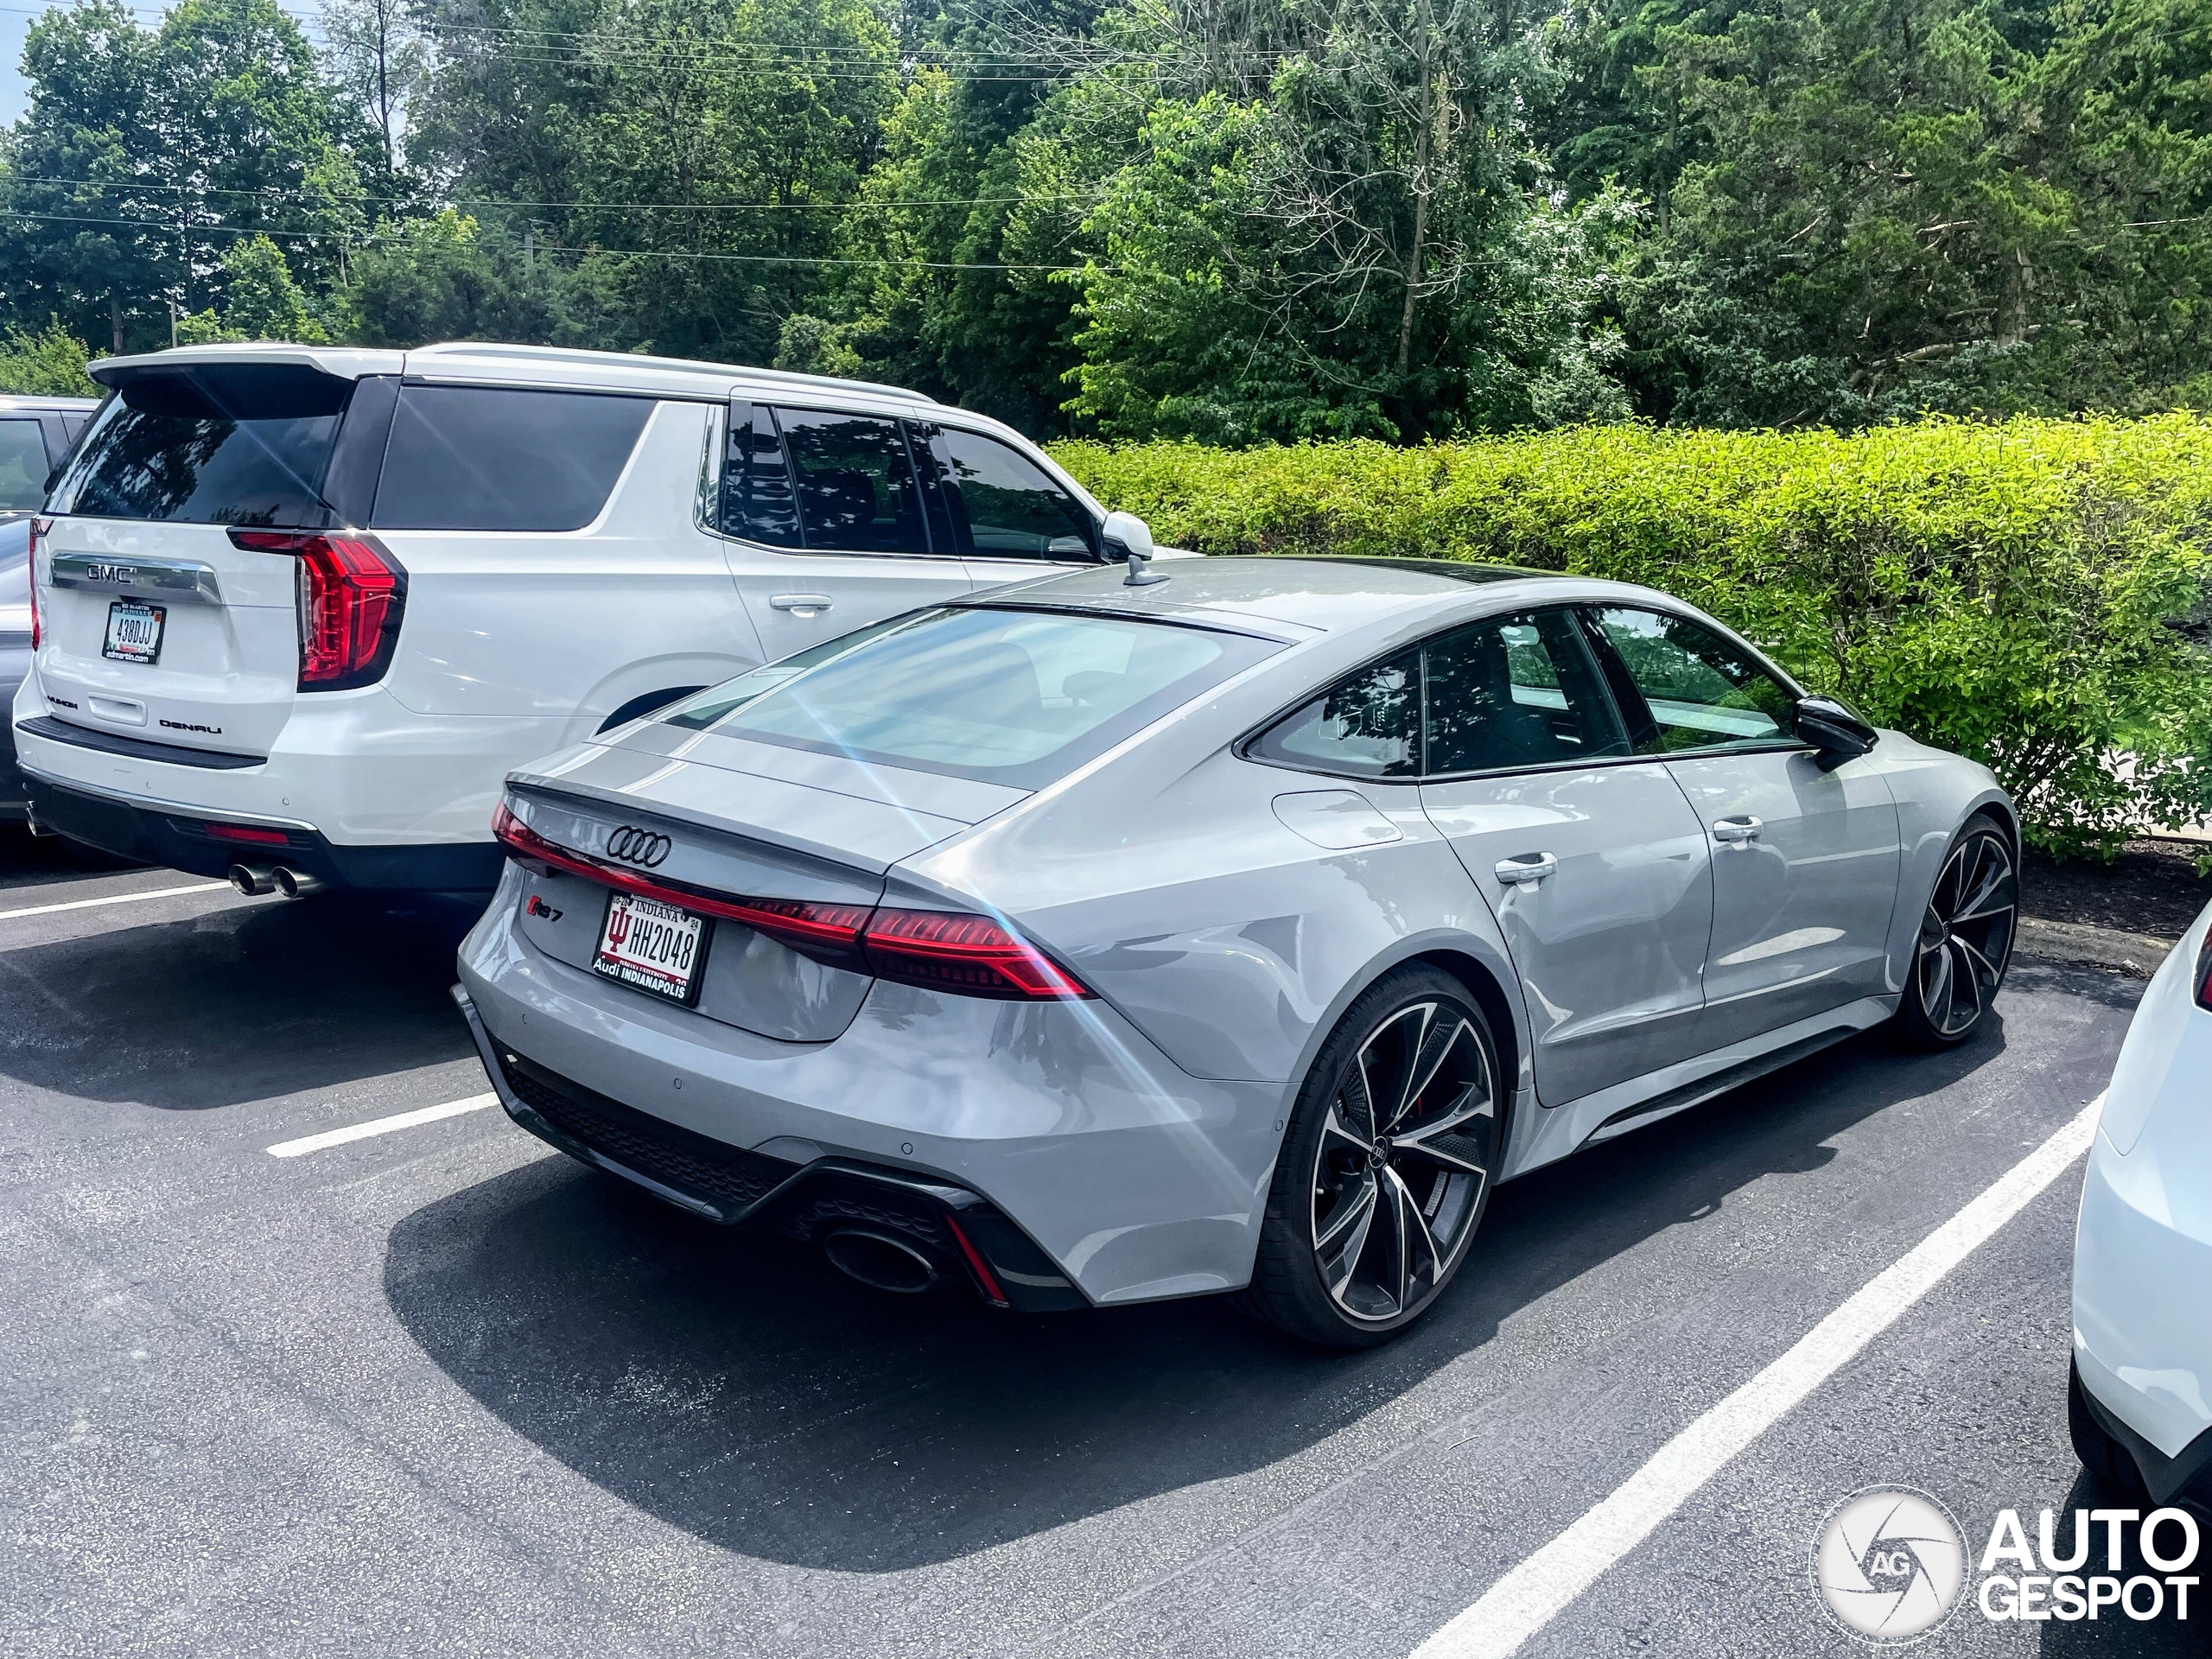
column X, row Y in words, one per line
column 295, row 884
column 254, row 880
column 879, row 1261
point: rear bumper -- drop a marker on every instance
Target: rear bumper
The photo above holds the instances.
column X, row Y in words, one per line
column 734, row 1187
column 179, row 839
column 1136, row 1180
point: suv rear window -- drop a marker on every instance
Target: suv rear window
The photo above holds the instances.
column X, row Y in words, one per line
column 500, row 458
column 1005, row 696
column 22, row 465
column 225, row 443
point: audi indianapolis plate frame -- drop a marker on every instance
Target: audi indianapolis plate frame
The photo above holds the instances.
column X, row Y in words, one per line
column 651, row 946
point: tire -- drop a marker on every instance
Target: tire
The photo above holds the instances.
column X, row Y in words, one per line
column 1965, row 943
column 1364, row 1227
column 2101, row 1455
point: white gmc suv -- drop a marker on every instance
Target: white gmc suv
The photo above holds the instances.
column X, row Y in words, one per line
column 299, row 610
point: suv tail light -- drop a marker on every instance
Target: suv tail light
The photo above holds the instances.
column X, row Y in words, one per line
column 352, row 595
column 939, row 950
column 2203, row 981
column 39, row 528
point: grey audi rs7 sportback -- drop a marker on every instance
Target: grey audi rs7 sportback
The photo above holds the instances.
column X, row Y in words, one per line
column 1103, row 939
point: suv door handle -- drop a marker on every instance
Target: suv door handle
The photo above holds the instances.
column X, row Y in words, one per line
column 1742, row 828
column 1525, row 869
column 800, row 604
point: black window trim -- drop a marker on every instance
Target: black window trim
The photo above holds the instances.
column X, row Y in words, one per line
column 1097, row 554
column 716, row 481
column 1610, row 661
column 1241, row 748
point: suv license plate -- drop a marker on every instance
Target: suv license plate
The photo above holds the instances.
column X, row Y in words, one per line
column 651, row 946
column 134, row 631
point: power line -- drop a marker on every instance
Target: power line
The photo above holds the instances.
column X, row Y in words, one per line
column 206, row 227
column 857, row 205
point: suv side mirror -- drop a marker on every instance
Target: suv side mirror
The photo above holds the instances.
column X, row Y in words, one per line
column 1838, row 733
column 1124, row 534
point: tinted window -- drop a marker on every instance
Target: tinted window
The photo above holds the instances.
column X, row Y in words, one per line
column 1515, row 691
column 1701, row 692
column 217, row 444
column 1007, row 696
column 1002, row 504
column 1368, row 727
column 756, row 501
column 854, row 482
column 23, row 466
column 491, row 458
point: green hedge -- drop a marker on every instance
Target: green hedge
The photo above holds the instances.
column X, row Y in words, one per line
column 2033, row 593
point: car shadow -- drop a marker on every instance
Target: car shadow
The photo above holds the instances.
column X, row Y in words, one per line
column 237, row 1005
column 737, row 1388
column 2111, row 1631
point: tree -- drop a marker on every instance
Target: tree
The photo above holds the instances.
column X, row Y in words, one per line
column 50, row 363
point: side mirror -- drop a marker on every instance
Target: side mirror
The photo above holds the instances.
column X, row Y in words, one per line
column 1125, row 536
column 1838, row 733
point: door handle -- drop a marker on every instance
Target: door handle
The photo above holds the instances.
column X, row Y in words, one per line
column 799, row 604
column 1742, row 828
column 1525, row 869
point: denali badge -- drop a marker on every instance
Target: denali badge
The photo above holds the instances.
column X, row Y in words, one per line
column 190, row 725
column 635, row 846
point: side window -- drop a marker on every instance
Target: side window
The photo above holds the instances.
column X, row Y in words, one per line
column 1367, row 726
column 501, row 458
column 757, row 500
column 1004, row 505
column 1701, row 692
column 22, row 465
column 1515, row 691
column 854, row 481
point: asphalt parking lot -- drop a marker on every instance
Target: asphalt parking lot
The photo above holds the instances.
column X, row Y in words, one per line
column 441, row 1390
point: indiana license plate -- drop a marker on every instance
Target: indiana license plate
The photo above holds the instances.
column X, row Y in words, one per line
column 134, row 631
column 651, row 946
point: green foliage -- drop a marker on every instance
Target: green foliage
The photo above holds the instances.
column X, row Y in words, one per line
column 2036, row 594
column 50, row 363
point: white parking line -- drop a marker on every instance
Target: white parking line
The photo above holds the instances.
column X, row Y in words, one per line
column 381, row 1126
column 1531, row 1595
column 113, row 898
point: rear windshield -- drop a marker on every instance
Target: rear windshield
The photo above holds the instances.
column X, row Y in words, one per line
column 497, row 458
column 213, row 444
column 1015, row 697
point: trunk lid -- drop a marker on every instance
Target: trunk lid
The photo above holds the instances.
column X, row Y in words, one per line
column 155, row 623
column 823, row 833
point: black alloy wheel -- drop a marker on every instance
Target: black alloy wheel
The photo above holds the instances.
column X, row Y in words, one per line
column 1386, row 1167
column 1966, row 938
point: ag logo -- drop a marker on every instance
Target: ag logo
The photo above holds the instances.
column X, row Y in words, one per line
column 635, row 846
column 1889, row 1563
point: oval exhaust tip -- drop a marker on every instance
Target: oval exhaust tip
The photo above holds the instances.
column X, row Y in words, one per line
column 879, row 1261
column 252, row 879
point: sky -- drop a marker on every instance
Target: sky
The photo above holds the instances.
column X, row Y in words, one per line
column 14, row 22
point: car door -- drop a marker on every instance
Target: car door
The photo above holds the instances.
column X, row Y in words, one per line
column 1594, row 863
column 1805, row 852
column 1010, row 519
column 827, row 529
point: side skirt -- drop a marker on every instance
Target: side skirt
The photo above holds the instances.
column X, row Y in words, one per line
column 1556, row 1131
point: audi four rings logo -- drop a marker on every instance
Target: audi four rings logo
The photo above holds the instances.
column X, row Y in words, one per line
column 635, row 846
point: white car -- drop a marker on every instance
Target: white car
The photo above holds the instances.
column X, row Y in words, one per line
column 2141, row 1404
column 300, row 610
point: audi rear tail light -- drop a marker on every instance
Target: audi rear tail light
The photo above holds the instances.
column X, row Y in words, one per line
column 940, row 950
column 351, row 594
column 39, row 528
column 972, row 955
